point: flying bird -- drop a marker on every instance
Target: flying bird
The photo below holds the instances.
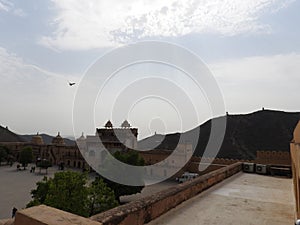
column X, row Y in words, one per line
column 71, row 84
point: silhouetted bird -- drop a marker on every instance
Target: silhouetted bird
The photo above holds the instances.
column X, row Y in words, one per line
column 71, row 84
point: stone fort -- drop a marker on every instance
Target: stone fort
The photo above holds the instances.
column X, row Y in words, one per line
column 124, row 138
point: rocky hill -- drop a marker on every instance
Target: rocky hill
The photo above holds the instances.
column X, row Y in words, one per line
column 245, row 134
column 8, row 136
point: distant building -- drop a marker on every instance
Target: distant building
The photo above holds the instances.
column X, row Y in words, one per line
column 58, row 140
column 92, row 146
column 57, row 152
column 108, row 139
column 163, row 164
column 114, row 139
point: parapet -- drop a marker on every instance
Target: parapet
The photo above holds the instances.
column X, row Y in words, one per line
column 44, row 215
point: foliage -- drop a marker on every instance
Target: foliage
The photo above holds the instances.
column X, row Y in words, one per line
column 69, row 191
column 44, row 164
column 39, row 194
column 131, row 158
column 26, row 156
column 101, row 197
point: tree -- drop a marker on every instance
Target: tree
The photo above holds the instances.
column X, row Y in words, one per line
column 69, row 191
column 40, row 193
column 43, row 164
column 101, row 197
column 131, row 158
column 26, row 156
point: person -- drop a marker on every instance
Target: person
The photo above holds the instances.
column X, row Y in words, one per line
column 14, row 211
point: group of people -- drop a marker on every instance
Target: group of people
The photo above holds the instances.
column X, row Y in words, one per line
column 32, row 169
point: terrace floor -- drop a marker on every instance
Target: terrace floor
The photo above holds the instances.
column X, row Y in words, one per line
column 243, row 199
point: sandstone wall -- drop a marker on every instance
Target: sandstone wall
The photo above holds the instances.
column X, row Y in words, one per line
column 148, row 208
column 44, row 215
column 295, row 156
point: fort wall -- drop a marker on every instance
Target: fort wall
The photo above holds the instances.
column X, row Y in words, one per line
column 273, row 157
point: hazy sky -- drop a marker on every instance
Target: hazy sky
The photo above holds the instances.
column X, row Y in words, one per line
column 251, row 46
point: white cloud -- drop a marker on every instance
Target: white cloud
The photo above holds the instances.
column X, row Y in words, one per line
column 254, row 82
column 33, row 99
column 100, row 23
column 9, row 7
column 5, row 5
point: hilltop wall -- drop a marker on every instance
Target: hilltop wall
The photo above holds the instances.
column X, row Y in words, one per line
column 273, row 157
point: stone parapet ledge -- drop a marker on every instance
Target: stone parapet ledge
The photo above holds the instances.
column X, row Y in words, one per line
column 7, row 222
column 148, row 208
column 44, row 215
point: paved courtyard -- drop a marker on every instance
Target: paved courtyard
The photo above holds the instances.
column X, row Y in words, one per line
column 16, row 186
column 244, row 199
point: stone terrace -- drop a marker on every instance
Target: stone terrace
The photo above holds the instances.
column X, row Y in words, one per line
column 242, row 199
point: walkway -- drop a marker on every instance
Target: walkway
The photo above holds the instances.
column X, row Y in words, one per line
column 243, row 199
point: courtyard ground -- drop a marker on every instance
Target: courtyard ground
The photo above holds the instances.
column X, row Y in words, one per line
column 16, row 186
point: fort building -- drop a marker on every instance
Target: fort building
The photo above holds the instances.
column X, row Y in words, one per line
column 107, row 138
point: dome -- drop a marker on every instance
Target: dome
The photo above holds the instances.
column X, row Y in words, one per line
column 125, row 124
column 108, row 124
column 37, row 139
column 81, row 138
column 58, row 140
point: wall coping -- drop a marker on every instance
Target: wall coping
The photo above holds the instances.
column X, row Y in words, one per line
column 45, row 215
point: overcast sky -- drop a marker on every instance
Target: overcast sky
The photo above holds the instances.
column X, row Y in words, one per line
column 251, row 46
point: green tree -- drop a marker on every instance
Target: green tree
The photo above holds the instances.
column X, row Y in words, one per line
column 131, row 158
column 101, row 197
column 40, row 193
column 69, row 191
column 44, row 164
column 26, row 156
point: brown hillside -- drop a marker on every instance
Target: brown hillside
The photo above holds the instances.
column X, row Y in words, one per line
column 8, row 136
column 245, row 134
